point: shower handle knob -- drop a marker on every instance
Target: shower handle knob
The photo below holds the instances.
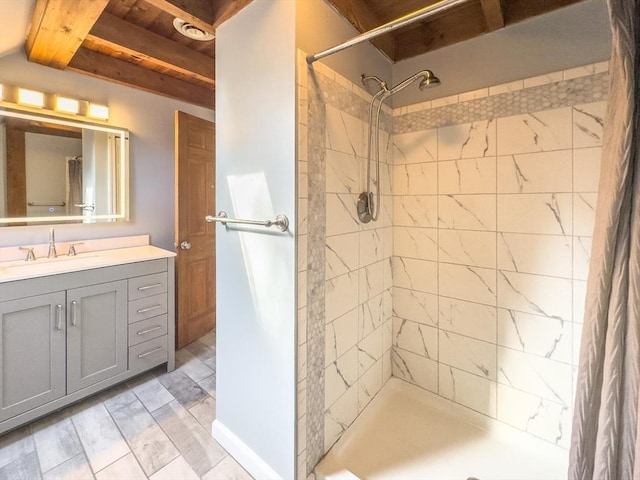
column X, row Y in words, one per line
column 185, row 245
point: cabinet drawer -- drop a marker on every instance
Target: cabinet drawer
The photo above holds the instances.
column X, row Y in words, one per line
column 147, row 329
column 147, row 307
column 151, row 351
column 147, row 286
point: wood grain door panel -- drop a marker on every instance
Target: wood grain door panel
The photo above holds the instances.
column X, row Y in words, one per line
column 195, row 198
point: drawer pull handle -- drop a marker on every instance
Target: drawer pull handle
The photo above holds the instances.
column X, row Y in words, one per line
column 74, row 315
column 58, row 317
column 147, row 287
column 148, row 309
column 144, row 332
column 142, row 355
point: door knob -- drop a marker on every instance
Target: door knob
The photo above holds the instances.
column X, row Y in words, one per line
column 185, row 245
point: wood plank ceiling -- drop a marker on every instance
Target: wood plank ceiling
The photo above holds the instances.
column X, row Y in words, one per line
column 133, row 42
column 462, row 22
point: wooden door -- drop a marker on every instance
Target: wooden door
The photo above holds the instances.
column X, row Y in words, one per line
column 194, row 237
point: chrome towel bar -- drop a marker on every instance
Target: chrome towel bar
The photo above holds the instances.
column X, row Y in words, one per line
column 36, row 204
column 281, row 221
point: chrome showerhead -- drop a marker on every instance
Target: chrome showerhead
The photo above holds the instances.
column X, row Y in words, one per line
column 429, row 80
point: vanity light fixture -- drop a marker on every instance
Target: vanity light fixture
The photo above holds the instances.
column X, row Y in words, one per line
column 67, row 105
column 98, row 111
column 20, row 98
column 33, row 98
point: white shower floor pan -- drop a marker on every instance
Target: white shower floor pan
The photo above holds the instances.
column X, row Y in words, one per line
column 407, row 433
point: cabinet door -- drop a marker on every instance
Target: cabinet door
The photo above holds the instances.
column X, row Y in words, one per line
column 32, row 354
column 96, row 333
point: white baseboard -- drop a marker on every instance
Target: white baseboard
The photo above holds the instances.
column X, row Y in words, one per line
column 239, row 450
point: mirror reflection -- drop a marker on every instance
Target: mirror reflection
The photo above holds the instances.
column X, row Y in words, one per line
column 56, row 171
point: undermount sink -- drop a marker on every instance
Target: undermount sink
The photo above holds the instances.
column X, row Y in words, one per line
column 47, row 265
column 100, row 253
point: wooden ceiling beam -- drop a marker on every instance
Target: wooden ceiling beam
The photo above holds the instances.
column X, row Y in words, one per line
column 518, row 10
column 440, row 31
column 493, row 14
column 125, row 37
column 58, row 28
column 197, row 12
column 204, row 14
column 112, row 69
column 225, row 9
column 360, row 16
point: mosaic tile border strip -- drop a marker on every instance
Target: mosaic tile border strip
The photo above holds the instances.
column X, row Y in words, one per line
column 563, row 93
column 324, row 88
column 315, row 273
column 538, row 80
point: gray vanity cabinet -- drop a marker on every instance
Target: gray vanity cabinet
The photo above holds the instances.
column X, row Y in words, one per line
column 32, row 357
column 66, row 336
column 96, row 333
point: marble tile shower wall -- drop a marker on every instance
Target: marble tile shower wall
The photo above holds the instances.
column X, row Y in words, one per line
column 358, row 277
column 344, row 267
column 492, row 225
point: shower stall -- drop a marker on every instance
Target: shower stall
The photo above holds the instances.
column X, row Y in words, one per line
column 453, row 286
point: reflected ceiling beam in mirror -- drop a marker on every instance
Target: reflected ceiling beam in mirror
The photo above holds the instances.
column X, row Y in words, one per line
column 112, row 69
column 59, row 27
column 16, row 172
column 142, row 44
column 42, row 127
column 493, row 13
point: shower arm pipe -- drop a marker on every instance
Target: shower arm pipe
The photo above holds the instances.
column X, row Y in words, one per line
column 388, row 27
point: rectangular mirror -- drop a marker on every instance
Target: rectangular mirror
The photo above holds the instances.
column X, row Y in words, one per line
column 54, row 170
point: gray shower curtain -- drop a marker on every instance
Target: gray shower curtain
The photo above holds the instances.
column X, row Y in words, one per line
column 74, row 186
column 605, row 443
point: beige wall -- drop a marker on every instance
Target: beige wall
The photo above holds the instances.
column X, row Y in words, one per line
column 319, row 26
column 565, row 38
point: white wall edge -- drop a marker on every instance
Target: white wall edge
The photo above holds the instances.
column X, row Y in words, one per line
column 239, row 450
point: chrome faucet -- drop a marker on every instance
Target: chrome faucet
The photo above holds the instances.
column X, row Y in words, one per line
column 52, row 244
column 72, row 249
column 30, row 255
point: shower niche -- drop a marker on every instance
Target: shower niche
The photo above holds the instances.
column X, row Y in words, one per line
column 54, row 170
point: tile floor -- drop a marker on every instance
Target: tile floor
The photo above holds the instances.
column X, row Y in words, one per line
column 156, row 426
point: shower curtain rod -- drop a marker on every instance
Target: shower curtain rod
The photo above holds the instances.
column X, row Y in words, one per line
column 388, row 27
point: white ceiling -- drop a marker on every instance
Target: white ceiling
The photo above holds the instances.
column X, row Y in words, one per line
column 15, row 17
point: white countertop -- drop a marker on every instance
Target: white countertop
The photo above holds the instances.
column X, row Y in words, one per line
column 20, row 269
